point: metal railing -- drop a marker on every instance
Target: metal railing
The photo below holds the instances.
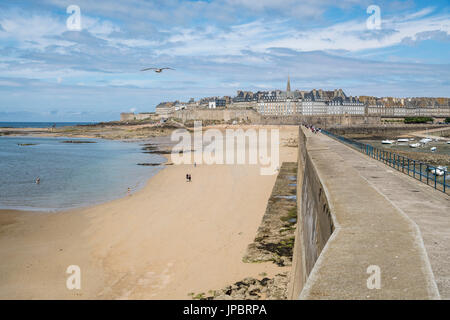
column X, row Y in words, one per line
column 421, row 171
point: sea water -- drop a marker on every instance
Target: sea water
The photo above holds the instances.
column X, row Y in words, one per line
column 71, row 174
column 41, row 124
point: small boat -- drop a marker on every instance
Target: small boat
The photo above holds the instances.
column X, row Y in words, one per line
column 415, row 145
column 412, row 139
column 448, row 142
column 439, row 171
column 387, row 142
column 402, row 140
column 426, row 140
column 433, row 149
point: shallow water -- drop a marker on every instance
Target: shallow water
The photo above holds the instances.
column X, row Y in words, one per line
column 40, row 124
column 72, row 175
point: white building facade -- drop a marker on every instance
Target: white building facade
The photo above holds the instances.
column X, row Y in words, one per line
column 313, row 107
column 281, row 107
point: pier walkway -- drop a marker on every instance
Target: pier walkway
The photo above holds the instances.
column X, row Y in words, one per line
column 383, row 218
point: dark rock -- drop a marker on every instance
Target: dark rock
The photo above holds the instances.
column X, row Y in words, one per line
column 274, row 289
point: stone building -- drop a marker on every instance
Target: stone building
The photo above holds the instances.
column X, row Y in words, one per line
column 279, row 103
column 314, row 102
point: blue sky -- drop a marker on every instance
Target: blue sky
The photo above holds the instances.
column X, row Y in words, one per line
column 50, row 73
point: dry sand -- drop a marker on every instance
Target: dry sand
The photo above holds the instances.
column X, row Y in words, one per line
column 163, row 242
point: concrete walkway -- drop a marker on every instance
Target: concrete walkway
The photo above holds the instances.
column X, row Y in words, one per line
column 428, row 208
column 383, row 218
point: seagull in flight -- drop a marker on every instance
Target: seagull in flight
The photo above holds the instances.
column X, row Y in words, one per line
column 157, row 70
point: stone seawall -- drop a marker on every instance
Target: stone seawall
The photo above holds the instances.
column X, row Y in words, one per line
column 315, row 223
column 130, row 116
column 226, row 115
column 324, row 121
column 251, row 116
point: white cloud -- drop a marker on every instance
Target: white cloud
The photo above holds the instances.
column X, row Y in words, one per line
column 98, row 27
column 32, row 31
column 260, row 36
column 38, row 31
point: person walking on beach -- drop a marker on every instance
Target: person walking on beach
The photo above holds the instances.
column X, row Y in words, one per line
column 187, row 177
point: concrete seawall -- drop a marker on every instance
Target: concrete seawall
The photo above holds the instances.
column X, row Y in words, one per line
column 346, row 225
column 315, row 223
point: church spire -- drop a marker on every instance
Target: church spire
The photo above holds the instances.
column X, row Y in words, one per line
column 288, row 88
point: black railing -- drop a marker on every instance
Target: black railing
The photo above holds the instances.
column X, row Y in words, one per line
column 431, row 175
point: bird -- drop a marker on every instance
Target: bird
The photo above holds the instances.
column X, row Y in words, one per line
column 157, row 70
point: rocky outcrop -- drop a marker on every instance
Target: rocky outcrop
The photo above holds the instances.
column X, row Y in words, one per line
column 252, row 289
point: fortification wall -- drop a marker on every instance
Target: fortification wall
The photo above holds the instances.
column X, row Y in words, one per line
column 322, row 121
column 129, row 116
column 315, row 223
column 247, row 115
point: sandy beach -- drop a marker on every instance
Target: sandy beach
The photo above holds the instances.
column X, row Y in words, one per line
column 167, row 240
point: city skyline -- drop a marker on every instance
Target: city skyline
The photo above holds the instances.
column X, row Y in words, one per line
column 48, row 72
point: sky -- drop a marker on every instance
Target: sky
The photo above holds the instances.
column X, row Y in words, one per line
column 53, row 68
